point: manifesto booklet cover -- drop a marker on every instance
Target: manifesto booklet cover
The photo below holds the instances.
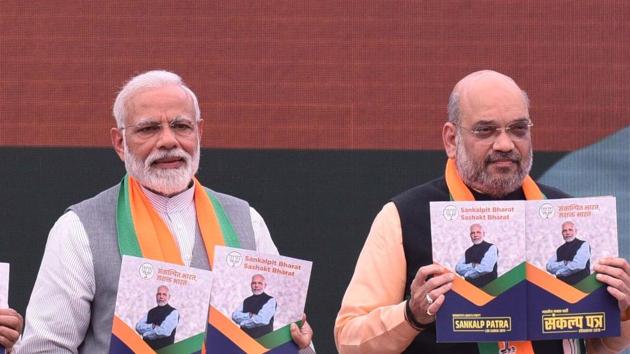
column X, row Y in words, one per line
column 565, row 239
column 525, row 269
column 4, row 290
column 255, row 298
column 160, row 308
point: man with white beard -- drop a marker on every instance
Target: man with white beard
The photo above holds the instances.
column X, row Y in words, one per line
column 479, row 263
column 159, row 325
column 256, row 313
column 159, row 211
column 572, row 260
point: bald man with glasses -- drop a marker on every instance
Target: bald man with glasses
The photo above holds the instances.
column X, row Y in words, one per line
column 396, row 290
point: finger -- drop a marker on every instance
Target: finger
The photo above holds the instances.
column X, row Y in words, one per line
column 613, row 281
column 419, row 301
column 8, row 336
column 428, row 285
column 615, row 262
column 440, row 280
column 441, row 290
column 439, row 295
column 622, row 300
column 294, row 329
column 614, row 271
column 436, row 305
column 429, row 270
column 425, row 310
column 301, row 336
column 306, row 329
column 12, row 319
column 619, row 295
column 432, row 284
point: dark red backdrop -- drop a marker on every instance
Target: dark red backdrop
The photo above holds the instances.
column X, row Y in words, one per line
column 330, row 74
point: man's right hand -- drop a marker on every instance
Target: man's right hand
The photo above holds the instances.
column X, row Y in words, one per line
column 11, row 324
column 302, row 336
column 427, row 295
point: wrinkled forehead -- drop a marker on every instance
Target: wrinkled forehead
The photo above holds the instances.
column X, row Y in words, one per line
column 476, row 228
column 167, row 99
column 258, row 279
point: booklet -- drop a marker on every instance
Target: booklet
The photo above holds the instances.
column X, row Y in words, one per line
column 160, row 307
column 4, row 290
column 525, row 269
column 255, row 298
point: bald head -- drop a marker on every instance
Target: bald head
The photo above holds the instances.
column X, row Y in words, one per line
column 482, row 88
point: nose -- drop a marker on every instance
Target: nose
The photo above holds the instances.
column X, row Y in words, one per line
column 167, row 138
column 503, row 142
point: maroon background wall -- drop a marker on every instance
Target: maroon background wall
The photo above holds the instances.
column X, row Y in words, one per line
column 316, row 112
column 326, row 74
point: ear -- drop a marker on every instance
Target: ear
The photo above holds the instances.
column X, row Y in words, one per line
column 448, row 138
column 117, row 141
column 200, row 127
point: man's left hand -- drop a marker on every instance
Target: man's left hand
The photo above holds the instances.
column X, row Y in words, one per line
column 11, row 324
column 615, row 272
column 302, row 336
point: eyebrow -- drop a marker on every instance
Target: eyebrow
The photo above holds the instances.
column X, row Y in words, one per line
column 146, row 120
column 494, row 121
column 152, row 120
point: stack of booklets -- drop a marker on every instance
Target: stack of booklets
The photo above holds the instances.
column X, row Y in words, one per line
column 525, row 269
column 246, row 304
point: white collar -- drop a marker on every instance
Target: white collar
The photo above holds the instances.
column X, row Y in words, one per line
column 176, row 203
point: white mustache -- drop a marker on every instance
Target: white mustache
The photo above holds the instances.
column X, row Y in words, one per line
column 158, row 155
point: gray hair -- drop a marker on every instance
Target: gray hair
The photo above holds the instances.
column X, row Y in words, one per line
column 453, row 107
column 149, row 80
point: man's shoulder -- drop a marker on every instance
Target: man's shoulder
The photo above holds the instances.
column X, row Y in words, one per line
column 105, row 198
column 435, row 190
column 227, row 199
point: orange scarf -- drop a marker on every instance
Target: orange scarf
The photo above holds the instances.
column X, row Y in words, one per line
column 143, row 233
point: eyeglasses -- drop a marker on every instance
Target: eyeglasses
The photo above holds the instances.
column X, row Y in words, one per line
column 181, row 127
column 516, row 130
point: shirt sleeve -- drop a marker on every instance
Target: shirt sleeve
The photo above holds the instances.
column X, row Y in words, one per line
column 578, row 262
column 462, row 267
column 553, row 265
column 371, row 319
column 58, row 313
column 575, row 265
column 142, row 326
column 239, row 316
column 165, row 328
column 486, row 265
column 264, row 243
column 263, row 317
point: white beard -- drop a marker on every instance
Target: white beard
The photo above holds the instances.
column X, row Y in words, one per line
column 163, row 181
